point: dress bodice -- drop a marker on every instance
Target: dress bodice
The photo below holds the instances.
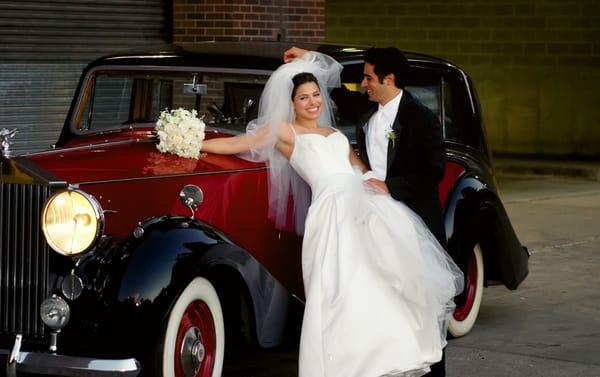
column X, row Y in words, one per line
column 322, row 160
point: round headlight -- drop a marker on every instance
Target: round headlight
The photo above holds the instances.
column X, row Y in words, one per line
column 55, row 312
column 72, row 220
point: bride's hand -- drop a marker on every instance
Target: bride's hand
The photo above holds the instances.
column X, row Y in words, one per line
column 293, row 53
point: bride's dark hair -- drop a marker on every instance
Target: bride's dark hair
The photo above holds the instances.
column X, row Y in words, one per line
column 303, row 78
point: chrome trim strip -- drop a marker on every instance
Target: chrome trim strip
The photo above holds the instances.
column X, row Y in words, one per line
column 105, row 143
column 443, row 107
column 352, row 62
column 173, row 176
column 61, row 365
column 466, row 79
column 195, row 68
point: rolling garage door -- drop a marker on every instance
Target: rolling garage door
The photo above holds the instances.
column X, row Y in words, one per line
column 45, row 44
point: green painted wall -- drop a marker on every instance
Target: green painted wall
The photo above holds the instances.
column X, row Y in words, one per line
column 535, row 64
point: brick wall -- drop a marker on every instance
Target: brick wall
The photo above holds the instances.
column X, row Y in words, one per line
column 536, row 63
column 247, row 20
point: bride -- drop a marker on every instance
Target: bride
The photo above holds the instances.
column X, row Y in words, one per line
column 378, row 286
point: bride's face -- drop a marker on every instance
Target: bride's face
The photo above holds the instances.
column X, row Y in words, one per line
column 307, row 101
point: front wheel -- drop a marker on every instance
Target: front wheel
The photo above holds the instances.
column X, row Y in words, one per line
column 464, row 316
column 194, row 341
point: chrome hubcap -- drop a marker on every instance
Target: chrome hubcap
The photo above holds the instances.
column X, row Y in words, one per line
column 192, row 352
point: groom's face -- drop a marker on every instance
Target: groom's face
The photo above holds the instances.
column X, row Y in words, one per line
column 375, row 88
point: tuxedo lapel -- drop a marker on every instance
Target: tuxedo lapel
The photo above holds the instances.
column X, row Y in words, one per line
column 363, row 123
column 397, row 129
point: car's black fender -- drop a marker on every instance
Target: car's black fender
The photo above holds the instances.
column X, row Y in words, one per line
column 137, row 285
column 475, row 214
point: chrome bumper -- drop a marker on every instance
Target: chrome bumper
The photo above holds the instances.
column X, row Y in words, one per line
column 61, row 365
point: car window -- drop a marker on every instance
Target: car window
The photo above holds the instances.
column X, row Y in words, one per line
column 444, row 92
column 109, row 104
column 423, row 84
column 117, row 99
column 232, row 99
column 461, row 124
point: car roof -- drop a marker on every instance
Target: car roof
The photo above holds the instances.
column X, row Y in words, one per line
column 240, row 55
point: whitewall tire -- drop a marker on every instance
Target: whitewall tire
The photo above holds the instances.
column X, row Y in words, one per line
column 464, row 316
column 194, row 341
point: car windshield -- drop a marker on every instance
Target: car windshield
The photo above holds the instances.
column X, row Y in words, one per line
column 122, row 99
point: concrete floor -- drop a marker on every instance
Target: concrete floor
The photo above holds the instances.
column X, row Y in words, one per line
column 550, row 326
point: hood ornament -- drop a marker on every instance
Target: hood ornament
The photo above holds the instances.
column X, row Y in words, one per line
column 5, row 136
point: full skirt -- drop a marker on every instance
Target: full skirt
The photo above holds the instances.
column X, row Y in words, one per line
column 379, row 287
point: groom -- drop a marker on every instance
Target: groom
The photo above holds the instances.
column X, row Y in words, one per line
column 399, row 139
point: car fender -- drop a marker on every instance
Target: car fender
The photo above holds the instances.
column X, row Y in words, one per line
column 474, row 213
column 140, row 282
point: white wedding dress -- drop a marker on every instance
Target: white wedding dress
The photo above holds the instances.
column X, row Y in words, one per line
column 378, row 286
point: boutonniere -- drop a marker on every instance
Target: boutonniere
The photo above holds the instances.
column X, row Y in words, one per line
column 391, row 136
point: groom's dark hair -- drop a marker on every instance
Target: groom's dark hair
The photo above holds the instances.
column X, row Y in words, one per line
column 302, row 78
column 388, row 60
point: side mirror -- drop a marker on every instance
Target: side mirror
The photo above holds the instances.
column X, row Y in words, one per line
column 191, row 196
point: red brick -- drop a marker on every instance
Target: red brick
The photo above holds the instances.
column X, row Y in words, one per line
column 248, row 19
column 227, row 8
column 194, row 16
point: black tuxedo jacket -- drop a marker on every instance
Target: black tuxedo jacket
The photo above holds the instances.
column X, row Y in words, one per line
column 415, row 164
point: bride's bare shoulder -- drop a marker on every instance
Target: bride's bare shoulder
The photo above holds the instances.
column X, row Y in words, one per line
column 286, row 132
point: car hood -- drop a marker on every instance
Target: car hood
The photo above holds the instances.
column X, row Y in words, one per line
column 129, row 158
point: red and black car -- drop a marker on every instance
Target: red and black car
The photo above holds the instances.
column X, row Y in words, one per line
column 117, row 259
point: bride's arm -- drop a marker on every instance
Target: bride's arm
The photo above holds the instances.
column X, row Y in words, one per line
column 235, row 144
column 356, row 161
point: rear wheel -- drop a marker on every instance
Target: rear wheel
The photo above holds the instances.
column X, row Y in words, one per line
column 194, row 338
column 468, row 304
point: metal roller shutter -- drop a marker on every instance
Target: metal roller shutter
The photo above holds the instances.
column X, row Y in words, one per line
column 45, row 44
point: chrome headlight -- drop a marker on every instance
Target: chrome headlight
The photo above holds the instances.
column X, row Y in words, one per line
column 55, row 312
column 72, row 221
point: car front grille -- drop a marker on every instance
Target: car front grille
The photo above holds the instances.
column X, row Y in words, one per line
column 24, row 258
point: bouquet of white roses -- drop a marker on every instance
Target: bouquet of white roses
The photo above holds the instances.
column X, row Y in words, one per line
column 180, row 132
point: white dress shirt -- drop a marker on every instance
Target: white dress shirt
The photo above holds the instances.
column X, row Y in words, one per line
column 376, row 131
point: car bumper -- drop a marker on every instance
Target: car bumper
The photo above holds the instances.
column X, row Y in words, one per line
column 61, row 365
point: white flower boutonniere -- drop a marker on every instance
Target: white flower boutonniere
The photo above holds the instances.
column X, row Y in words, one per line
column 180, row 132
column 391, row 136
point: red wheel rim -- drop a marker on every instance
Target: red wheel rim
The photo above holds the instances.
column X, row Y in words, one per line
column 461, row 312
column 198, row 319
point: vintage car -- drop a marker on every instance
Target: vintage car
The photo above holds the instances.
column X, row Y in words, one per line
column 117, row 259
